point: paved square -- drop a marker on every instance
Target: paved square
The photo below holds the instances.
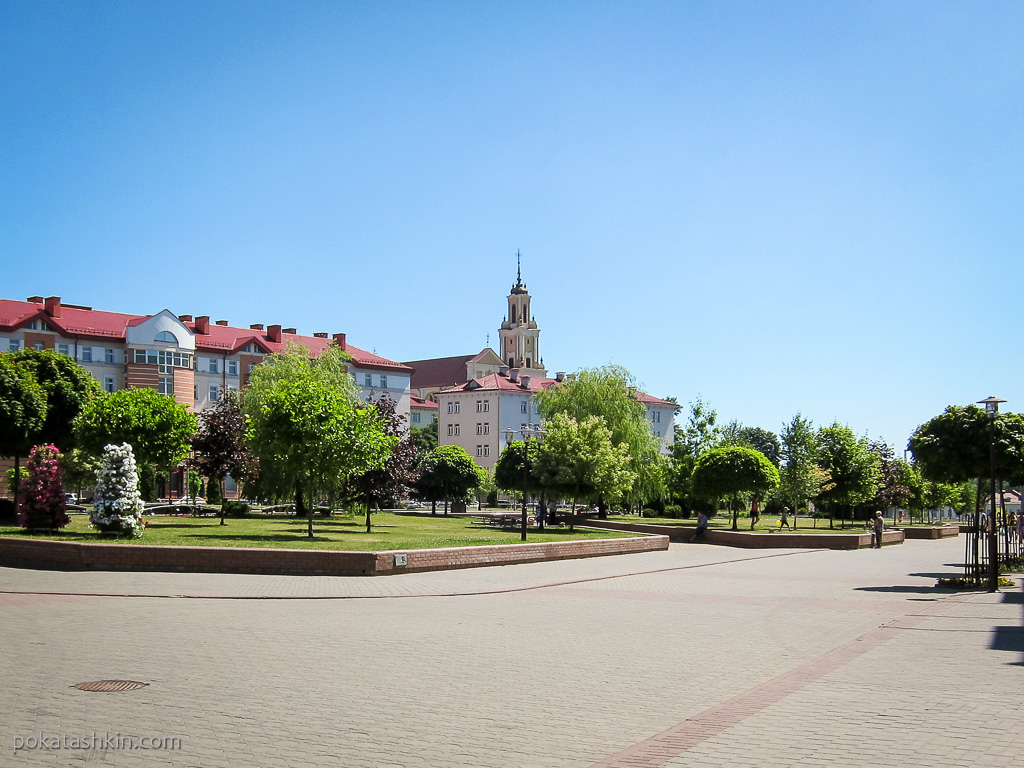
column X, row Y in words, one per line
column 699, row 656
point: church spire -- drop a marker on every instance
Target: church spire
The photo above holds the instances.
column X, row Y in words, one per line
column 519, row 287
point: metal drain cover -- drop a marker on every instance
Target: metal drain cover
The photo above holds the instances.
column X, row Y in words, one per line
column 110, row 686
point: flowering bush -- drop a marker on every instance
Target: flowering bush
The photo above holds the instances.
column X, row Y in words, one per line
column 43, row 504
column 117, row 507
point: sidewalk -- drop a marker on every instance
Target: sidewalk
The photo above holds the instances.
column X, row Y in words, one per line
column 698, row 656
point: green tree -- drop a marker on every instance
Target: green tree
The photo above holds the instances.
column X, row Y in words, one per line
column 610, row 393
column 728, row 471
column 448, row 472
column 158, row 429
column 580, row 459
column 954, row 446
column 218, row 447
column 800, row 476
column 307, row 432
column 853, row 469
column 424, row 439
column 69, row 388
column 79, row 470
column 22, row 413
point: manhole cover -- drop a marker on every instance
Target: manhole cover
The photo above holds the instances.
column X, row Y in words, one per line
column 110, row 686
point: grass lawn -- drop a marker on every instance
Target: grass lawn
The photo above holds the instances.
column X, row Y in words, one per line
column 390, row 531
column 723, row 522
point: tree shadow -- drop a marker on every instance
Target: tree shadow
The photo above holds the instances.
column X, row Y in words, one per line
column 900, row 589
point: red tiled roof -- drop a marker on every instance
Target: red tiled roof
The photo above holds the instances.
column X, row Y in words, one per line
column 439, row 371
column 646, row 399
column 91, row 323
column 419, row 402
column 494, row 381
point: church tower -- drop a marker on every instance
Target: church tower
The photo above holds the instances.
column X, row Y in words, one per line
column 520, row 336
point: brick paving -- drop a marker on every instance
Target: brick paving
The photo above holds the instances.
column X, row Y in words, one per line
column 698, row 656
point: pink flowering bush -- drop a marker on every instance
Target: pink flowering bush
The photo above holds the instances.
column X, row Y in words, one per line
column 43, row 504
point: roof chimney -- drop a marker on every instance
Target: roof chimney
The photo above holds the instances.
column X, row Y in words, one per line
column 560, row 376
column 185, row 318
column 274, row 333
column 222, row 322
column 503, row 371
column 526, row 382
column 289, row 330
column 319, row 335
column 256, row 327
column 339, row 339
column 53, row 306
column 513, row 374
column 203, row 324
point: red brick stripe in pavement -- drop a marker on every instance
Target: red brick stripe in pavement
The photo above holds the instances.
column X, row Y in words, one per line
column 662, row 747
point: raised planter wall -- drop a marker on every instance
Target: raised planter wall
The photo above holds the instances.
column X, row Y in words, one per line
column 935, row 532
column 80, row 556
column 750, row 540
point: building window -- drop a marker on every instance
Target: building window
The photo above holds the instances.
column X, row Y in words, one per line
column 147, row 356
column 483, row 450
column 383, row 381
column 14, row 345
column 166, row 336
column 454, row 406
column 108, row 384
column 487, row 428
column 487, row 450
column 64, row 349
column 483, row 406
column 232, row 367
column 479, row 428
column 251, row 366
column 38, row 346
column 522, row 407
column 108, row 355
column 85, row 354
column 367, row 380
column 165, row 385
column 214, row 365
column 415, row 418
column 454, row 430
column 214, row 393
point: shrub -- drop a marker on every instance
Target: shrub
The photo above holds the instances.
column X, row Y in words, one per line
column 43, row 504
column 673, row 511
column 236, row 509
column 117, row 507
column 147, row 480
column 648, row 512
column 213, row 494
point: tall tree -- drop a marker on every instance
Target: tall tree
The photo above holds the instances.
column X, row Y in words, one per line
column 22, row 414
column 69, row 389
column 158, row 429
column 448, row 472
column 954, row 446
column 218, row 447
column 579, row 459
column 801, row 478
column 853, row 469
column 728, row 471
column 610, row 393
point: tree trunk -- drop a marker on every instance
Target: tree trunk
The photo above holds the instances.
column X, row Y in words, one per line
column 734, row 503
column 367, row 513
column 602, row 508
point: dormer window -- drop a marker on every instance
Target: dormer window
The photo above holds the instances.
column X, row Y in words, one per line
column 166, row 336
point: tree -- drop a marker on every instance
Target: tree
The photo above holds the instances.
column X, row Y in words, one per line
column 69, row 388
column 954, row 446
column 762, row 440
column 218, row 447
column 852, row 468
column 424, row 439
column 44, row 504
column 158, row 429
column 394, row 479
column 307, row 432
column 79, row 470
column 895, row 478
column 580, row 459
column 22, row 414
column 448, row 472
column 700, row 433
column 610, row 393
column 732, row 470
column 509, row 469
column 800, row 477
column 117, row 507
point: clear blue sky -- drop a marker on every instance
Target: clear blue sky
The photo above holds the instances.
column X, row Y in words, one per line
column 776, row 206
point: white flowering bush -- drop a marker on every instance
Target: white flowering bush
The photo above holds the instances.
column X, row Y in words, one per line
column 118, row 506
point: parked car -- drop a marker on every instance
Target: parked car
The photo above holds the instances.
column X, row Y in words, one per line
column 71, row 498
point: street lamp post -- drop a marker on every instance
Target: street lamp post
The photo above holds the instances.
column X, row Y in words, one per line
column 992, row 408
column 527, row 431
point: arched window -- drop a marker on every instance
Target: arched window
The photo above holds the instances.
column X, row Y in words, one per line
column 166, row 336
column 513, row 315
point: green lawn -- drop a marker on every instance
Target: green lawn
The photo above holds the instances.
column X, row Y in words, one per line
column 723, row 522
column 390, row 531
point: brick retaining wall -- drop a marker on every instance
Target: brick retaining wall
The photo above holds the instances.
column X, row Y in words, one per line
column 748, row 540
column 81, row 556
column 932, row 532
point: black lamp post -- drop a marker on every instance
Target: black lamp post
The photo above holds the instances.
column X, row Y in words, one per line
column 991, row 404
column 527, row 431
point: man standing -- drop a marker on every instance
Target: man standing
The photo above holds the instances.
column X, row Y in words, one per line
column 879, row 523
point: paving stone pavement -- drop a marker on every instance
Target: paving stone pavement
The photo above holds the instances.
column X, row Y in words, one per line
column 698, row 656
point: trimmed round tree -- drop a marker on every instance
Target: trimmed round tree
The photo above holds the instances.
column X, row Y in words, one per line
column 118, row 506
column 43, row 505
column 731, row 471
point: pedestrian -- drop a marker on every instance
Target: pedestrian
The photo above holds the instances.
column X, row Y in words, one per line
column 755, row 514
column 879, row 524
column 784, row 521
column 702, row 525
column 901, row 517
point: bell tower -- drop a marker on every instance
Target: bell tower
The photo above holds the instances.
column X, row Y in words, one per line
column 520, row 336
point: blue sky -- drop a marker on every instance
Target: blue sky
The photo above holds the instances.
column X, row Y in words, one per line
column 776, row 206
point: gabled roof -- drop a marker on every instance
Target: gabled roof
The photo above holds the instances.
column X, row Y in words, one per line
column 445, row 371
column 88, row 323
column 646, row 399
column 497, row 382
column 419, row 402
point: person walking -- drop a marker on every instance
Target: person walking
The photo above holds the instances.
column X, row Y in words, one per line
column 784, row 520
column 879, row 524
column 755, row 513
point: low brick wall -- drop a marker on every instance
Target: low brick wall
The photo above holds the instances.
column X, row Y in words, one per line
column 749, row 540
column 932, row 532
column 79, row 556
